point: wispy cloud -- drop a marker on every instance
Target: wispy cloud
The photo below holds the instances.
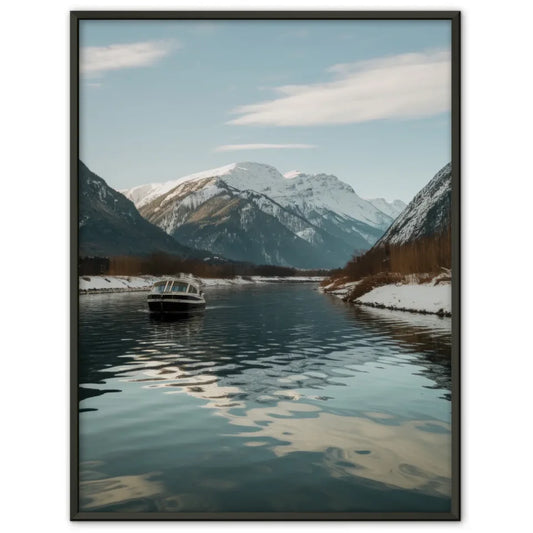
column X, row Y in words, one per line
column 95, row 60
column 236, row 147
column 403, row 86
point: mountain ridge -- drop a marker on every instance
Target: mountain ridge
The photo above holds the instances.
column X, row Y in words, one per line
column 109, row 224
column 268, row 177
column 427, row 214
column 392, row 208
column 325, row 218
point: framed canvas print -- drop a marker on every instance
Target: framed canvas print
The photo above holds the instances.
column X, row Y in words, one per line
column 265, row 265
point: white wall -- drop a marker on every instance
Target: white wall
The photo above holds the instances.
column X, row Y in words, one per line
column 497, row 199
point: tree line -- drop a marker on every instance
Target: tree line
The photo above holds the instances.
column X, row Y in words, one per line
column 425, row 255
column 159, row 264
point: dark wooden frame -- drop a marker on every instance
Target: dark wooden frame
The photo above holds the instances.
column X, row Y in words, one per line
column 455, row 18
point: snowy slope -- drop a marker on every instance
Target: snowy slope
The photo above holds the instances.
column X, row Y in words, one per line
column 325, row 192
column 144, row 194
column 323, row 216
column 427, row 214
column 244, row 225
column 109, row 223
column 306, row 192
column 433, row 297
column 426, row 298
column 393, row 209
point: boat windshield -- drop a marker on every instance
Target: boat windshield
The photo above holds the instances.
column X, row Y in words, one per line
column 160, row 286
column 172, row 286
column 179, row 287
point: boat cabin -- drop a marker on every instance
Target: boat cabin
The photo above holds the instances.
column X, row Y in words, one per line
column 173, row 286
column 181, row 294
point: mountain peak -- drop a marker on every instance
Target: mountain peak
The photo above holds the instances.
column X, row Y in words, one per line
column 292, row 174
column 249, row 211
column 427, row 214
column 392, row 208
column 296, row 189
column 253, row 165
column 109, row 224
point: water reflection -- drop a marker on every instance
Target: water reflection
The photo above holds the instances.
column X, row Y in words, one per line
column 310, row 355
column 124, row 493
column 312, row 380
column 426, row 337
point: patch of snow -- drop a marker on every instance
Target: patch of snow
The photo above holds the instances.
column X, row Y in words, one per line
column 144, row 194
column 95, row 284
column 292, row 174
column 115, row 283
column 341, row 291
column 393, row 209
column 307, row 234
column 425, row 298
column 323, row 192
column 410, row 223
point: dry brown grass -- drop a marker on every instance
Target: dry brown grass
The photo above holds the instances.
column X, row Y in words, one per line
column 335, row 282
column 416, row 262
column 426, row 255
column 375, row 280
column 429, row 254
column 368, row 283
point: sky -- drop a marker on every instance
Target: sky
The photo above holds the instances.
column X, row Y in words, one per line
column 367, row 101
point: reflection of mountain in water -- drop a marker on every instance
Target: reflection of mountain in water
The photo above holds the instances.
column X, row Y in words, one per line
column 427, row 336
column 256, row 345
column 312, row 392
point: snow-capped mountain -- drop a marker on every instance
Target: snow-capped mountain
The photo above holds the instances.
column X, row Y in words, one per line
column 250, row 212
column 393, row 209
column 427, row 214
column 315, row 194
column 144, row 194
column 109, row 223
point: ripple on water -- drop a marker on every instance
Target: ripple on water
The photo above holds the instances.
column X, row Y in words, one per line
column 297, row 406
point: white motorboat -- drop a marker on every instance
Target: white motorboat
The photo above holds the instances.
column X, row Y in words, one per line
column 181, row 294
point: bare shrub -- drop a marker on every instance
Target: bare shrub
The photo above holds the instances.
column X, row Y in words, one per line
column 375, row 280
column 426, row 257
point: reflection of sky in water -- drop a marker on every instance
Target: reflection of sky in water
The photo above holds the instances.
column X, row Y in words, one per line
column 261, row 406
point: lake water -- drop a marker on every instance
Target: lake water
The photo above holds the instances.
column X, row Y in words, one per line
column 278, row 398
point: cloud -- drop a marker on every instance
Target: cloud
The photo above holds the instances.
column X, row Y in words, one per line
column 403, row 86
column 235, row 147
column 97, row 59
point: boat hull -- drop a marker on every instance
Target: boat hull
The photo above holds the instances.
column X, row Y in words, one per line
column 175, row 306
column 181, row 295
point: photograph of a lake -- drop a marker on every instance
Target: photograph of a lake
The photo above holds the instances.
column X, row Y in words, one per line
column 279, row 398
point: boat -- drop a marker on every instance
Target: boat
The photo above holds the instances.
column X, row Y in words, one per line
column 177, row 295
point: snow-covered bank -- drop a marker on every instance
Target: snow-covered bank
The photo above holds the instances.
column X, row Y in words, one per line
column 434, row 297
column 424, row 298
column 115, row 283
column 96, row 284
column 340, row 290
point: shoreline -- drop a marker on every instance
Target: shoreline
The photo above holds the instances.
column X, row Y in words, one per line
column 115, row 284
column 430, row 298
column 440, row 312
